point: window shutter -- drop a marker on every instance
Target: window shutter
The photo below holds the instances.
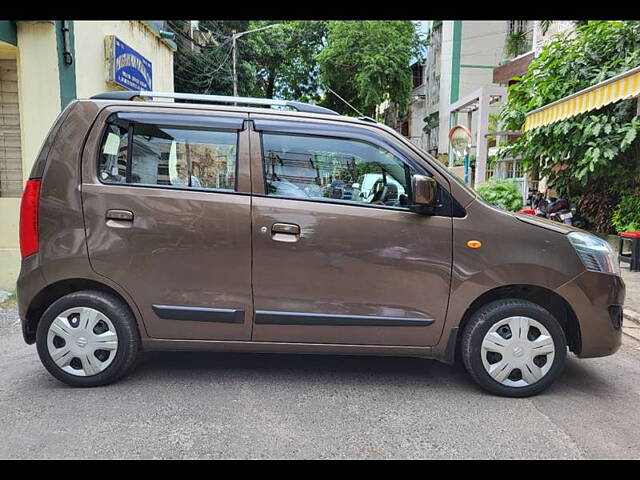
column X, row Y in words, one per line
column 10, row 150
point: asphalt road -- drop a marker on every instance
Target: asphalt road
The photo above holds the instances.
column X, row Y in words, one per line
column 196, row 405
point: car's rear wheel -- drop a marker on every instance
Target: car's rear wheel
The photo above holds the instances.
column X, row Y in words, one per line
column 87, row 338
column 513, row 347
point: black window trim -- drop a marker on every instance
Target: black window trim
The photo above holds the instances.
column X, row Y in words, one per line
column 337, row 201
column 115, row 119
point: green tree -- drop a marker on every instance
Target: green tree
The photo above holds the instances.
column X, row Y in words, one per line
column 283, row 59
column 597, row 152
column 277, row 62
column 367, row 62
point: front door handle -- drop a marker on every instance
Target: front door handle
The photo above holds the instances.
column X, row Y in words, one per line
column 122, row 215
column 285, row 232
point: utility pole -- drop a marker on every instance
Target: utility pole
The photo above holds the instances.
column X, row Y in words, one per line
column 235, row 74
column 234, row 37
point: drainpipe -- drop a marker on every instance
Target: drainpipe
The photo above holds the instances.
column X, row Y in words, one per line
column 68, row 58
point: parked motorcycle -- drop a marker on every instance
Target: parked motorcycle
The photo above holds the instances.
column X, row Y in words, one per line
column 553, row 208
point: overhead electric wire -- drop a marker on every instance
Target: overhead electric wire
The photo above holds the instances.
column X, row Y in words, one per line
column 191, row 67
column 223, row 38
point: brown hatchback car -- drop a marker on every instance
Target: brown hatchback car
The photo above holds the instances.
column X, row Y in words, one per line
column 212, row 223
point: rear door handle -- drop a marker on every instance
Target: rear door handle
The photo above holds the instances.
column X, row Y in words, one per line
column 121, row 215
column 285, row 232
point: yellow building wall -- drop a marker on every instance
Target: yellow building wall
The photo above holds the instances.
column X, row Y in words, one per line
column 91, row 70
column 39, row 97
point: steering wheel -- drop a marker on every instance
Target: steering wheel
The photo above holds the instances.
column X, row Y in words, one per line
column 381, row 196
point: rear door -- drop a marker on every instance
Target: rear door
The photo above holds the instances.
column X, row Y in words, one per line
column 167, row 211
column 333, row 263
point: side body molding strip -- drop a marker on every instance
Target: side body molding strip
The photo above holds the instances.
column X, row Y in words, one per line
column 199, row 314
column 296, row 318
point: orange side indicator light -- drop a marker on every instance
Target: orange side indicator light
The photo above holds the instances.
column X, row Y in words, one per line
column 474, row 244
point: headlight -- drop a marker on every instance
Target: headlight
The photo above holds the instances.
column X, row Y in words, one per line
column 596, row 254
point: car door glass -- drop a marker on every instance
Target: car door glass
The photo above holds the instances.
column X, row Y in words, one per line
column 170, row 156
column 312, row 167
column 112, row 162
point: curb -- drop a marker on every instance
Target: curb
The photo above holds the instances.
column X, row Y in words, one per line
column 633, row 329
column 631, row 315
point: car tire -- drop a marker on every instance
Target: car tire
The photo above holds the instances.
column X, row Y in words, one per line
column 511, row 337
column 97, row 354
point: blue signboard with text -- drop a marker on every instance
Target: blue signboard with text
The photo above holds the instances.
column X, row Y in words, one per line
column 130, row 69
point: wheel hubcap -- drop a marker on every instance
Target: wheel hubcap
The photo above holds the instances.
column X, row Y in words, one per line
column 517, row 351
column 82, row 341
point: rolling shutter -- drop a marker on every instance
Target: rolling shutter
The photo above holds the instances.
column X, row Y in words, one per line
column 10, row 152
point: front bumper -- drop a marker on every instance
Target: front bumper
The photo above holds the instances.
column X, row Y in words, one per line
column 592, row 295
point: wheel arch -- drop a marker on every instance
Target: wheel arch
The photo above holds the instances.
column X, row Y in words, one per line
column 546, row 298
column 45, row 297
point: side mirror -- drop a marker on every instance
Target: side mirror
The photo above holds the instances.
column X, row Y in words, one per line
column 424, row 194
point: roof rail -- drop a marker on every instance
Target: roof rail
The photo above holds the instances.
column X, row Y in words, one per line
column 299, row 106
column 367, row 119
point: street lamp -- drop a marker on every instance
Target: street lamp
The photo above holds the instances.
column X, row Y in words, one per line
column 234, row 37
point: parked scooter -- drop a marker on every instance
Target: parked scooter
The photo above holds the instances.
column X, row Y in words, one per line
column 553, row 208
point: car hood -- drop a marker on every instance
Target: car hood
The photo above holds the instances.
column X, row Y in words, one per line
column 545, row 223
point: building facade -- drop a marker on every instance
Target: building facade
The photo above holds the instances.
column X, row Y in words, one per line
column 46, row 64
column 461, row 56
column 504, row 75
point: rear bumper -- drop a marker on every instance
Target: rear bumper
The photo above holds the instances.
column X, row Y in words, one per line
column 594, row 298
column 30, row 283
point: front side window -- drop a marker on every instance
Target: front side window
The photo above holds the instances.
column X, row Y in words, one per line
column 171, row 156
column 310, row 167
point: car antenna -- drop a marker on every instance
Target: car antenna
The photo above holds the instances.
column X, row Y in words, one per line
column 348, row 104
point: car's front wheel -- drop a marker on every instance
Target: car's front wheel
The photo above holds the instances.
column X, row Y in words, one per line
column 87, row 338
column 513, row 347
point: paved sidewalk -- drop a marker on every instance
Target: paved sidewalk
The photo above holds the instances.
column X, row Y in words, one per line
column 632, row 281
column 631, row 322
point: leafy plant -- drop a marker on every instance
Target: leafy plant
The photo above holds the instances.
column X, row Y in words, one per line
column 516, row 44
column 544, row 25
column 430, row 121
column 626, row 217
column 595, row 210
column 596, row 152
column 502, row 193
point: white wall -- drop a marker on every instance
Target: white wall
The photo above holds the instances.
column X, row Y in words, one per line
column 481, row 49
column 482, row 46
column 445, row 84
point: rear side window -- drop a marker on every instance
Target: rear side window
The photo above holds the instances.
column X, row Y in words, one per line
column 113, row 154
column 148, row 154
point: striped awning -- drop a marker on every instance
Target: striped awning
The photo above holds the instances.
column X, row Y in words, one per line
column 621, row 86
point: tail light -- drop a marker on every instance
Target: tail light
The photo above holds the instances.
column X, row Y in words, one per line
column 29, row 218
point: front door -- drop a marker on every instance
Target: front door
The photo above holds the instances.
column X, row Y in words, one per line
column 167, row 211
column 338, row 257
